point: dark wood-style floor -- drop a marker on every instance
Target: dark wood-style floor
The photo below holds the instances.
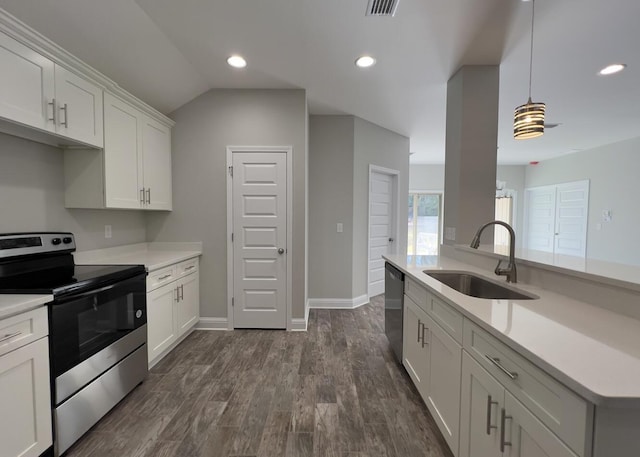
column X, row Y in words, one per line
column 334, row 390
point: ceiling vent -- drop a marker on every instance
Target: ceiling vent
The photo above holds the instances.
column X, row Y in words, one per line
column 382, row 7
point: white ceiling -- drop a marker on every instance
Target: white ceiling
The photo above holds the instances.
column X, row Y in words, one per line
column 167, row 52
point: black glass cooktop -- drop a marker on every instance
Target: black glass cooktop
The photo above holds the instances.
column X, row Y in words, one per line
column 61, row 280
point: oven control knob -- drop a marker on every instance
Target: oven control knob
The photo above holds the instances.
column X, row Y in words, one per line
column 67, row 240
column 56, row 241
column 138, row 314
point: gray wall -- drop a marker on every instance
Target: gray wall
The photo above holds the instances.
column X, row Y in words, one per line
column 378, row 146
column 32, row 199
column 613, row 174
column 426, row 177
column 331, row 156
column 204, row 128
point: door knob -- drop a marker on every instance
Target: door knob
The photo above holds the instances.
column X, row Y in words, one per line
column 391, row 240
column 280, row 251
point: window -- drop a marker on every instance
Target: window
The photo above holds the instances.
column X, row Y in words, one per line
column 504, row 213
column 424, row 224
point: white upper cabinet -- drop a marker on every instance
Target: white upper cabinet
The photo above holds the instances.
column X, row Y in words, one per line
column 156, row 160
column 122, row 154
column 27, row 85
column 132, row 172
column 78, row 108
column 36, row 92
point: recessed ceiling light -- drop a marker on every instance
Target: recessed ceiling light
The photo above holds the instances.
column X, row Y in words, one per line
column 237, row 61
column 365, row 62
column 612, row 69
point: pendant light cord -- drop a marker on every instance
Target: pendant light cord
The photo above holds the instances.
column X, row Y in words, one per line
column 533, row 15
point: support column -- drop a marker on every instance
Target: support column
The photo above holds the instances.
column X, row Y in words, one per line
column 471, row 152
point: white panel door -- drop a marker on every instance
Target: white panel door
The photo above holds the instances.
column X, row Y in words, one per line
column 122, row 154
column 79, row 108
column 27, row 85
column 528, row 437
column 156, row 152
column 540, row 219
column 481, row 400
column 444, row 383
column 260, row 239
column 381, row 227
column 161, row 319
column 572, row 208
column 189, row 304
column 25, row 422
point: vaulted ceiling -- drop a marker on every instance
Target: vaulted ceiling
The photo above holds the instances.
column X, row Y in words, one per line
column 168, row 52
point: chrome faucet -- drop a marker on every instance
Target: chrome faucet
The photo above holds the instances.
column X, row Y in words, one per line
column 510, row 272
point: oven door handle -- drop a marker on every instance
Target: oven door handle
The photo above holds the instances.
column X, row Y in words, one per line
column 94, row 291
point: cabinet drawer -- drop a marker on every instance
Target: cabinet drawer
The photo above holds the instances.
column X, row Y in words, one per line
column 416, row 292
column 187, row 267
column 17, row 331
column 161, row 277
column 561, row 410
column 450, row 319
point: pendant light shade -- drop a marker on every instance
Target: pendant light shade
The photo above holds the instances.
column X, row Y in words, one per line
column 528, row 119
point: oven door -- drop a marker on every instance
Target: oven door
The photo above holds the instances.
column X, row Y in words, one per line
column 85, row 323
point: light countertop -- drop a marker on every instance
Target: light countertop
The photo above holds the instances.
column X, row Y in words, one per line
column 152, row 255
column 11, row 305
column 591, row 350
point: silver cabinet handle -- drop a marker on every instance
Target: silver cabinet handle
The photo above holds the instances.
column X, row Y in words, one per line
column 65, row 108
column 280, row 251
column 419, row 332
column 142, row 195
column 149, row 196
column 490, row 403
column 503, row 420
column 53, row 111
column 191, row 267
column 9, row 336
column 424, row 341
column 177, row 294
column 163, row 277
column 496, row 362
column 182, row 292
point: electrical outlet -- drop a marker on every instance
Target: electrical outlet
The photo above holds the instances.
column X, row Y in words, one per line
column 339, row 227
column 107, row 231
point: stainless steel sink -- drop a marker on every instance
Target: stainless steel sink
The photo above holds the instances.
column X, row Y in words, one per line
column 477, row 286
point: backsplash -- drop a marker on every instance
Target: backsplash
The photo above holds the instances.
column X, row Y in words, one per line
column 32, row 199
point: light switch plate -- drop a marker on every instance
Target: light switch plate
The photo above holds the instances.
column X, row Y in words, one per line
column 339, row 227
column 107, row 231
column 450, row 233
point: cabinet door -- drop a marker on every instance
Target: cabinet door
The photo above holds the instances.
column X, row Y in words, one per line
column 528, row 437
column 122, row 154
column 161, row 319
column 189, row 304
column 482, row 398
column 156, row 153
column 25, row 422
column 415, row 351
column 79, row 105
column 26, row 85
column 444, row 382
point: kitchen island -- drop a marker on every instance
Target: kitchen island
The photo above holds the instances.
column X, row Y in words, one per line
column 577, row 365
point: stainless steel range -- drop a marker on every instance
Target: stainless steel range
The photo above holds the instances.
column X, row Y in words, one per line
column 97, row 326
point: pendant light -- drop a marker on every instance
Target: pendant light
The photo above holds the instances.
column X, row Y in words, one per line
column 528, row 120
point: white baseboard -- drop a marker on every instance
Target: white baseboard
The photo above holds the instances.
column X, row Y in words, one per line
column 338, row 303
column 212, row 323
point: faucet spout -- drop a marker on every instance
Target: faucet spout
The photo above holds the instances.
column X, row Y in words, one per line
column 510, row 271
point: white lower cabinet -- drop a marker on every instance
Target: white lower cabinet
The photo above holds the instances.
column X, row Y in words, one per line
column 415, row 350
column 494, row 423
column 189, row 303
column 161, row 320
column 443, row 397
column 173, row 306
column 25, row 416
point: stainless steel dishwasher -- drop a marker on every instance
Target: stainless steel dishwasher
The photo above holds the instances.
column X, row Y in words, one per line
column 393, row 304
